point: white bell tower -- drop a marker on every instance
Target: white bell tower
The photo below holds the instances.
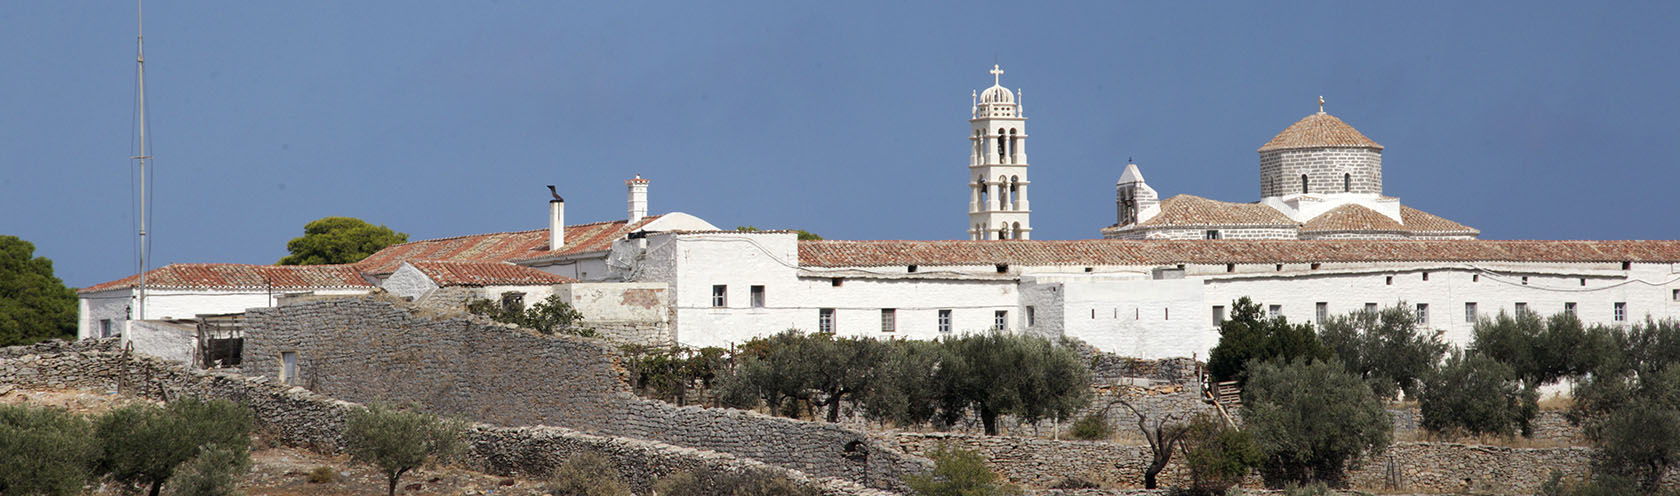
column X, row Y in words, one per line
column 997, row 165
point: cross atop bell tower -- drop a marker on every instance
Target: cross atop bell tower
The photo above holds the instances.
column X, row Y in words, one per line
column 997, row 165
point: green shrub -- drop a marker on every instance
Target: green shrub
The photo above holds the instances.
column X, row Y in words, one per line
column 959, row 472
column 1474, row 394
column 587, row 474
column 322, row 475
column 1249, row 336
column 213, row 472
column 1389, row 349
column 709, row 482
column 1091, row 427
column 397, row 441
column 44, row 451
column 1218, row 457
column 1313, row 421
column 144, row 444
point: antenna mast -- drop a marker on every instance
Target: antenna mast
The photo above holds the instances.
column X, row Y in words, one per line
column 142, row 157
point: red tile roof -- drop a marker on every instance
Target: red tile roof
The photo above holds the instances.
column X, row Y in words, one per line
column 1159, row 252
column 1352, row 217
column 502, row 247
column 1195, row 211
column 1419, row 221
column 242, row 276
column 1319, row 131
column 484, row 274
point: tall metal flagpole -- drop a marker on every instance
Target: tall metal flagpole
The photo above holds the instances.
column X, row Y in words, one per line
column 141, row 158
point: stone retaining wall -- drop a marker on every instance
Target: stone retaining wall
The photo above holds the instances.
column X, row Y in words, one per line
column 1407, row 466
column 373, row 350
column 298, row 417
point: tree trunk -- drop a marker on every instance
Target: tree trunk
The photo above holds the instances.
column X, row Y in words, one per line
column 834, row 408
column 988, row 418
column 391, row 489
column 157, row 486
column 1154, row 470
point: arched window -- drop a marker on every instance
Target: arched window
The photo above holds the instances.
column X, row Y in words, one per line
column 1014, row 192
column 1347, row 183
column 985, row 193
column 1014, row 143
column 1003, row 232
column 1303, row 183
column 1016, row 230
column 1002, row 145
column 979, row 144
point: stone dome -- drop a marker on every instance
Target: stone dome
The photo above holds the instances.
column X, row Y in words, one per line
column 1319, row 130
column 997, row 94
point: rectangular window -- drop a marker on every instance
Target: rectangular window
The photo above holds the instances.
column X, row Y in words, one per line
column 1389, row 280
column 889, row 320
column 1371, row 307
column 1211, row 234
column 1166, row 314
column 825, row 320
column 944, row 321
column 758, row 296
column 720, row 295
column 1522, row 307
column 1677, row 295
column 1031, row 317
column 104, row 328
column 1423, row 314
column 1569, row 307
column 1275, row 311
column 1621, row 311
column 1218, row 314
column 1323, row 309
column 1000, row 320
column 288, row 367
column 1470, row 312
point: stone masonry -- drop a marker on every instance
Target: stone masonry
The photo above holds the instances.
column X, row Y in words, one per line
column 1281, row 170
column 372, row 350
column 298, row 417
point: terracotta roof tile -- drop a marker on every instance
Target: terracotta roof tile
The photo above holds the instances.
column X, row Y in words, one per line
column 1160, row 252
column 242, row 276
column 1425, row 222
column 1191, row 210
column 1351, row 217
column 502, row 247
column 484, row 274
column 1318, row 131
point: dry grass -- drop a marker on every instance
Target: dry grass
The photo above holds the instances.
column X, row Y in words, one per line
column 1481, row 439
column 1556, row 402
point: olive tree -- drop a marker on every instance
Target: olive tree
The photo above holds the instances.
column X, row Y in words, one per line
column 144, row 444
column 44, row 451
column 1387, row 348
column 1474, row 394
column 397, row 441
column 1250, row 336
column 1313, row 420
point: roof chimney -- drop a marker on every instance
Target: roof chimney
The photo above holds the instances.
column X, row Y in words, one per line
column 556, row 220
column 638, row 197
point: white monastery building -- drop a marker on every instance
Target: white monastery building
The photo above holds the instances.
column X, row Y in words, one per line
column 1322, row 240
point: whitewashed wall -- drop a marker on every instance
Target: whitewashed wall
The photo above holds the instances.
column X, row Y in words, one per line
column 164, row 304
column 408, row 282
column 166, row 340
column 1646, row 288
column 1136, row 317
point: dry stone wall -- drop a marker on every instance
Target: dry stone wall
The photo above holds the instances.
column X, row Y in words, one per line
column 298, row 417
column 373, row 350
column 1422, row 467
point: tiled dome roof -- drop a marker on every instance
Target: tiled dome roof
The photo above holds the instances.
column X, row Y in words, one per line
column 1318, row 131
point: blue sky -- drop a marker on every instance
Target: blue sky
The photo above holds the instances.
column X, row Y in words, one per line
column 1533, row 120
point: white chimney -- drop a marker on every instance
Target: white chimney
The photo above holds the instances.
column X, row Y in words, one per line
column 556, row 220
column 638, row 197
